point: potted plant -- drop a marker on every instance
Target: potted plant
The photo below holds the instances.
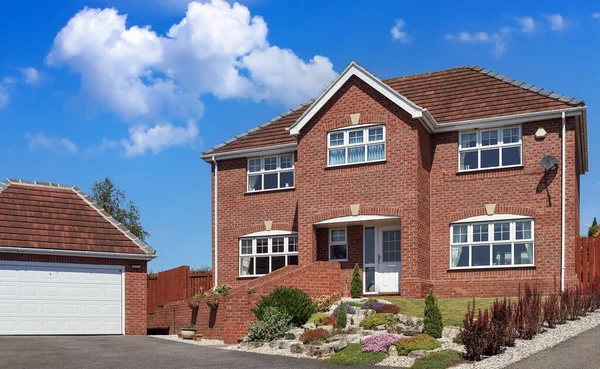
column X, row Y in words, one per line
column 188, row 331
column 213, row 298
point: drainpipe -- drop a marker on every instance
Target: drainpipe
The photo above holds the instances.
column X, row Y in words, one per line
column 563, row 205
column 216, row 220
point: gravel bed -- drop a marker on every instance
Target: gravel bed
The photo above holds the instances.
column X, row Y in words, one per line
column 547, row 339
column 204, row 342
column 397, row 361
column 267, row 350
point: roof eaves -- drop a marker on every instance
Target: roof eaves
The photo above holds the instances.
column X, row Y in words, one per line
column 525, row 86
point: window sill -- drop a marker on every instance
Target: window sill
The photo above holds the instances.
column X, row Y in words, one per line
column 460, row 172
column 355, row 164
column 272, row 190
column 488, row 267
column 250, row 276
column 338, row 260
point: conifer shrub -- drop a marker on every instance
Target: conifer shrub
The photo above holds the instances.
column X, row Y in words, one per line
column 356, row 285
column 433, row 324
column 342, row 317
column 297, row 304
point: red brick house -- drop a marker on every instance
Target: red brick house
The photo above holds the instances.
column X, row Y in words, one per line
column 430, row 180
column 66, row 266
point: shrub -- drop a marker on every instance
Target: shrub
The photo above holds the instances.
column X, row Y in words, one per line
column 222, row 289
column 439, row 360
column 511, row 332
column 330, row 320
column 356, row 285
column 594, row 291
column 324, row 302
column 377, row 319
column 564, row 306
column 528, row 312
column 433, row 324
column 353, row 354
column 317, row 318
column 379, row 343
column 313, row 335
column 297, row 304
column 349, row 309
column 273, row 325
column 576, row 310
column 474, row 332
column 418, row 342
column 389, row 308
column 372, row 304
column 342, row 318
column 356, row 304
column 500, row 318
column 551, row 310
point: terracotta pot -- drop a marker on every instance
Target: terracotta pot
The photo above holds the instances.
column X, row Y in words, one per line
column 188, row 334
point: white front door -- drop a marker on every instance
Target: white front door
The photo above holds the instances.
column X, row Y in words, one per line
column 382, row 264
column 56, row 298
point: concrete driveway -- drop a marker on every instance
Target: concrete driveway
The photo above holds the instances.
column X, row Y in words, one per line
column 107, row 352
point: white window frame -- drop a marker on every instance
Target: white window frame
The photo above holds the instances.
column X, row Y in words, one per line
column 286, row 252
column 365, row 144
column 500, row 146
column 490, row 242
column 262, row 172
column 338, row 243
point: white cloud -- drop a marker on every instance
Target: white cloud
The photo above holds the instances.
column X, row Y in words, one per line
column 498, row 40
column 157, row 138
column 596, row 15
column 398, row 33
column 30, row 75
column 218, row 48
column 55, row 144
column 528, row 25
column 4, row 96
column 556, row 21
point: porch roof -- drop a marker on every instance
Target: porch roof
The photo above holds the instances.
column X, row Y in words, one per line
column 354, row 219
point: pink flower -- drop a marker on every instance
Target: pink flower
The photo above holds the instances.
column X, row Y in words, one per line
column 381, row 342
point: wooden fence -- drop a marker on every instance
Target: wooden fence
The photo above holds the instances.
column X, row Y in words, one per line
column 176, row 284
column 587, row 259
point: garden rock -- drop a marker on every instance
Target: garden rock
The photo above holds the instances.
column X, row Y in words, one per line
column 450, row 332
column 328, row 328
column 393, row 350
column 309, row 326
column 313, row 350
column 284, row 345
column 381, row 327
column 410, row 323
column 297, row 348
column 340, row 345
column 293, row 334
column 418, row 353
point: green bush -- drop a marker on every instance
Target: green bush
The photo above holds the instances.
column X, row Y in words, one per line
column 439, row 360
column 353, row 355
column 356, row 286
column 342, row 318
column 273, row 325
column 317, row 318
column 433, row 323
column 378, row 319
column 297, row 304
column 418, row 342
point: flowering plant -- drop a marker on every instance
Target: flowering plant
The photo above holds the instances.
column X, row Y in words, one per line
column 379, row 343
column 349, row 309
column 372, row 305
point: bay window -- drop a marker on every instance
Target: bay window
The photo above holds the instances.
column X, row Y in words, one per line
column 263, row 255
column 356, row 145
column 271, row 173
column 497, row 243
column 487, row 149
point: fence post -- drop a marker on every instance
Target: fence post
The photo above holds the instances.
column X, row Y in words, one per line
column 592, row 259
column 586, row 265
column 578, row 242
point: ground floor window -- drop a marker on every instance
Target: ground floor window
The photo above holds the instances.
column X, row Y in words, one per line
column 338, row 245
column 496, row 243
column 263, row 255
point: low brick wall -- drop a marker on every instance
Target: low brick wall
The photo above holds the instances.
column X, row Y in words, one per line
column 229, row 322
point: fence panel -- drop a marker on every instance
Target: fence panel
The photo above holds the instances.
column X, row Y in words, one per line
column 166, row 286
column 587, row 260
column 200, row 282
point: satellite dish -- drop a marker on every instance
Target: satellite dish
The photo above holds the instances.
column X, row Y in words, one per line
column 550, row 162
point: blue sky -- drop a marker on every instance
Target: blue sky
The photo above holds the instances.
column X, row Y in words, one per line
column 95, row 88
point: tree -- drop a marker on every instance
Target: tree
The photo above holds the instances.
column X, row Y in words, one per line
column 115, row 203
column 356, row 285
column 433, row 324
column 594, row 230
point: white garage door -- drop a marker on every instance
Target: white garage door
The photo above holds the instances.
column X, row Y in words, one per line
column 54, row 298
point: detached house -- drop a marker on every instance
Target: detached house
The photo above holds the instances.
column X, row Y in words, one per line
column 463, row 180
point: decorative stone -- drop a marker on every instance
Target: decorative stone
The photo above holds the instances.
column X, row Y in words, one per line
column 450, row 332
column 273, row 344
column 341, row 344
column 328, row 328
column 393, row 350
column 268, row 225
column 293, row 334
column 284, row 345
column 409, row 323
column 309, row 326
column 296, row 348
column 381, row 327
column 418, row 353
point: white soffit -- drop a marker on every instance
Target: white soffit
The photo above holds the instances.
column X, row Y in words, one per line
column 355, row 219
column 492, row 218
column 353, row 69
column 269, row 234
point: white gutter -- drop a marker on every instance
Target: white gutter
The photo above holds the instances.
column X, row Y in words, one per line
column 257, row 151
column 88, row 254
column 563, row 201
column 216, row 216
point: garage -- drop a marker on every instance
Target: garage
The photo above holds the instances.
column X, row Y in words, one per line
column 44, row 298
column 66, row 266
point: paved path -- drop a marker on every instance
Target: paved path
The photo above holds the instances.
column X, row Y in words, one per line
column 581, row 352
column 129, row 352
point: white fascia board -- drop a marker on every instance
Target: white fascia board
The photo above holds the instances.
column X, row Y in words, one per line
column 493, row 122
column 354, row 69
column 87, row 254
column 355, row 218
column 247, row 153
column 269, row 234
column 492, row 218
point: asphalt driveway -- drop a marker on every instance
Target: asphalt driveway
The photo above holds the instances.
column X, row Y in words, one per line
column 108, row 352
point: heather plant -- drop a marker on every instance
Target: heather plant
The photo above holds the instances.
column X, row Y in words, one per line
column 356, row 285
column 342, row 318
column 273, row 325
column 377, row 319
column 551, row 309
column 349, row 309
column 389, row 308
column 317, row 318
column 372, row 304
column 313, row 335
column 433, row 324
column 297, row 304
column 379, row 343
column 418, row 342
column 329, row 320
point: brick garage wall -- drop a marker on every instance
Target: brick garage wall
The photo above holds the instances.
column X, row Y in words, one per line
column 135, row 284
column 515, row 191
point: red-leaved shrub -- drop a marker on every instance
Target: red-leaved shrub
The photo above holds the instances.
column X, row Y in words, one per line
column 528, row 313
column 389, row 308
column 475, row 332
column 313, row 335
column 551, row 310
column 330, row 320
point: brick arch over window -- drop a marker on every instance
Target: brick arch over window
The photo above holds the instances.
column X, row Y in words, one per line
column 279, row 226
column 364, row 210
column 500, row 209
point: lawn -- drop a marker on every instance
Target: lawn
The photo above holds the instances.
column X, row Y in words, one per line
column 439, row 360
column 453, row 310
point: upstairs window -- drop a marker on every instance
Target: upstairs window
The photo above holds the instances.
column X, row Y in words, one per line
column 271, row 173
column 488, row 149
column 353, row 146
